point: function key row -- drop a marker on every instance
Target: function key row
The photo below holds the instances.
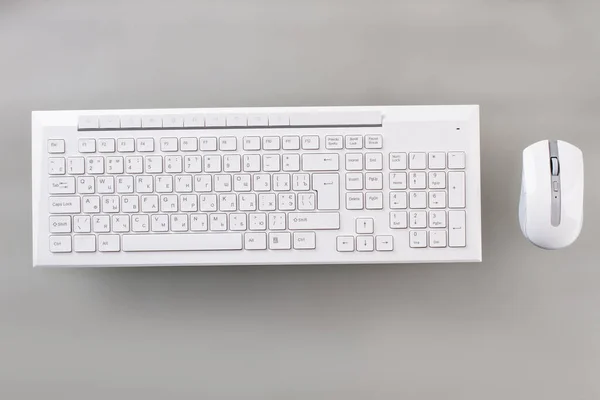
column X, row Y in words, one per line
column 223, row 143
column 215, row 120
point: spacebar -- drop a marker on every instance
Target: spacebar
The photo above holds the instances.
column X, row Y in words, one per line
column 183, row 242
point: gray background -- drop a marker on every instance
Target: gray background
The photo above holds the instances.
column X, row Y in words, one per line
column 524, row 324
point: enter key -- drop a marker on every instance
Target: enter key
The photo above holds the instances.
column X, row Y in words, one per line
column 327, row 187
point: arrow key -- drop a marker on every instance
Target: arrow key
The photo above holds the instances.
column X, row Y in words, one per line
column 384, row 243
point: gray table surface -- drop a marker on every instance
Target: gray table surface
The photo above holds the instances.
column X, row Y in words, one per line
column 524, row 324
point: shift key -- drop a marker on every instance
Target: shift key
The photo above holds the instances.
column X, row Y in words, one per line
column 313, row 221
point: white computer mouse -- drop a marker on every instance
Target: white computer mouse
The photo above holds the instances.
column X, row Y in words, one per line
column 551, row 206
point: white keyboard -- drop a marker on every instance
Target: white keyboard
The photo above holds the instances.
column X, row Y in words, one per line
column 305, row 185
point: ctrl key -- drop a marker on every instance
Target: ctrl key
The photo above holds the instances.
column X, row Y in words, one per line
column 60, row 244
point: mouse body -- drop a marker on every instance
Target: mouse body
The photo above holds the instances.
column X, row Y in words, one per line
column 551, row 205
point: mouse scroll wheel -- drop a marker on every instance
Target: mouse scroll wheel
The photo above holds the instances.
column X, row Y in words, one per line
column 554, row 167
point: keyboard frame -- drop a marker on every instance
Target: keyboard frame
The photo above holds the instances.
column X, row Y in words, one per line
column 463, row 118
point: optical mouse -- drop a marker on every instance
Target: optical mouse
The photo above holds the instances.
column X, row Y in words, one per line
column 551, row 205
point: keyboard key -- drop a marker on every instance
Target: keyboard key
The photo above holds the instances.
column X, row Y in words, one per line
column 418, row 200
column 364, row 243
column 327, row 187
column 75, row 165
column 109, row 243
column 398, row 200
column 255, row 241
column 258, row 120
column 202, row 183
column 64, row 205
column 280, row 241
column 304, row 240
column 291, row 142
column 286, row 201
column 397, row 161
column 364, row 225
column 437, row 160
column 193, row 121
column 109, row 122
column 173, row 164
column 418, row 219
column 437, row 199
column 291, row 162
column 87, row 145
column 91, row 204
column 215, row 120
column 354, row 181
column 373, row 161
column 60, row 224
column 277, row 221
column 271, row 163
column 437, row 219
column 126, row 145
column 334, row 142
column 397, row 180
column 227, row 143
column 106, row 145
column 61, row 185
column 310, row 142
column 140, row 223
column 60, row 244
column 398, row 220
column 437, row 239
column 354, row 142
column 199, row 222
column 354, row 201
column 279, row 120
column 418, row 239
column 313, row 221
column 417, row 180
column 271, row 143
column 354, row 161
column 82, row 224
column 251, row 162
column 208, row 143
column 457, row 228
column 374, row 181
column 188, row 144
column 320, row 162
column 145, row 145
column 417, row 160
column 172, row 121
column 267, row 201
column 374, row 200
column 182, row 242
column 131, row 122
column 134, row 165
column 384, row 243
column 456, row 189
column 345, row 244
column 251, row 143
column 87, row 122
column 456, row 160
column 212, row 163
column 56, row 146
column 437, row 180
column 306, row 201
column 84, row 243
column 153, row 164
column 373, row 142
column 151, row 121
column 237, row 222
column 101, row 223
column 168, row 144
